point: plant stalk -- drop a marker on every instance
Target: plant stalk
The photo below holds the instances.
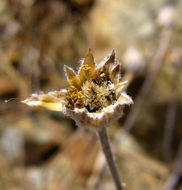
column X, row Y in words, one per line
column 106, row 147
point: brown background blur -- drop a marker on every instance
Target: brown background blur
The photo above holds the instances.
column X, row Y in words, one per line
column 45, row 150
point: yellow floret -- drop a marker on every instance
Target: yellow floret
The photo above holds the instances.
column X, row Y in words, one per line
column 86, row 67
column 74, row 97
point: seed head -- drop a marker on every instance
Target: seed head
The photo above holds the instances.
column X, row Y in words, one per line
column 166, row 16
column 134, row 60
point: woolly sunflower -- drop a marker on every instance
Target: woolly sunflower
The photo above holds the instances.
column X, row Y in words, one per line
column 95, row 96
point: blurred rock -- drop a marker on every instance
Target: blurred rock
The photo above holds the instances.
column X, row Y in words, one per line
column 43, row 138
column 11, row 29
column 35, row 176
column 12, row 145
column 71, row 168
column 117, row 24
column 11, row 178
column 7, row 86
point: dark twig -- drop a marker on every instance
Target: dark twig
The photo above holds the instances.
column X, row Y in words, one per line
column 106, row 147
column 175, row 176
column 169, row 128
column 170, row 121
column 171, row 113
column 157, row 62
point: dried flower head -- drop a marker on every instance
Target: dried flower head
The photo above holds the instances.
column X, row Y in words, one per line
column 134, row 60
column 166, row 16
column 95, row 96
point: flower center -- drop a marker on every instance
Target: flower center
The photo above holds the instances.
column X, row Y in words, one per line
column 98, row 93
column 95, row 95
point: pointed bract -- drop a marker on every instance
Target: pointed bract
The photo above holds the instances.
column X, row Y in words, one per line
column 114, row 75
column 120, row 87
column 88, row 68
column 124, row 99
column 72, row 78
column 89, row 60
column 83, row 74
column 107, row 67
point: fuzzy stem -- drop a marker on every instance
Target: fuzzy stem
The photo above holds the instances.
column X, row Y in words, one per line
column 106, row 147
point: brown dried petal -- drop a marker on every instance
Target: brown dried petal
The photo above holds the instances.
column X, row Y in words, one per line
column 72, row 78
column 119, row 87
column 124, row 99
column 88, row 61
column 47, row 101
column 109, row 63
column 114, row 74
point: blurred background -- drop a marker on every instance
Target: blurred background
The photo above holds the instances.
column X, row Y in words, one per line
column 44, row 150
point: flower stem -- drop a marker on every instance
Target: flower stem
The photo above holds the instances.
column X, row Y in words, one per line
column 106, row 147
